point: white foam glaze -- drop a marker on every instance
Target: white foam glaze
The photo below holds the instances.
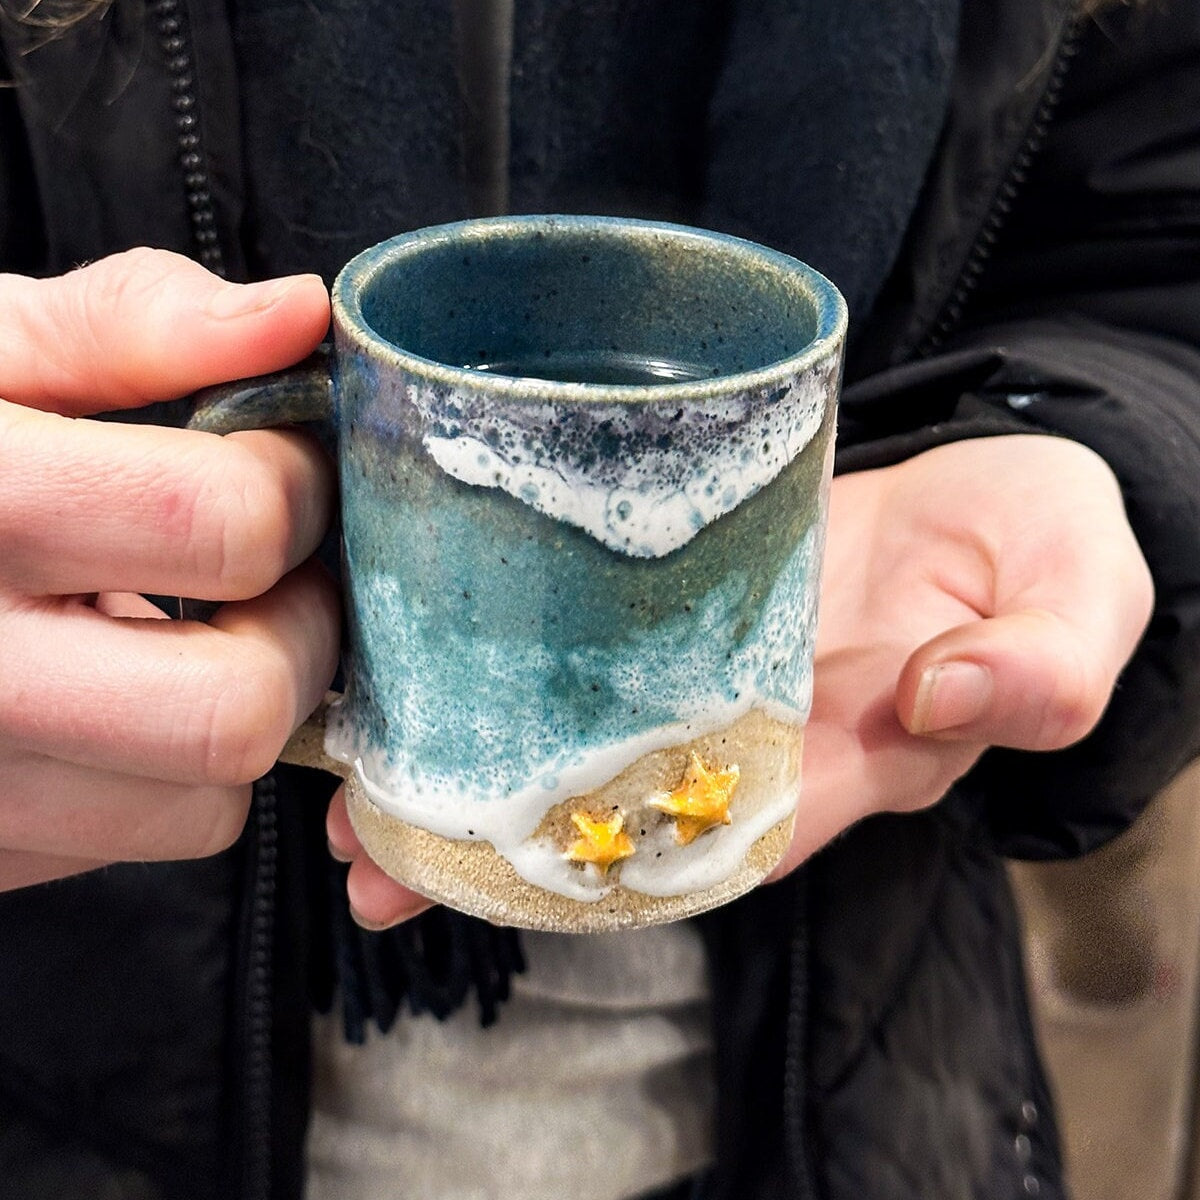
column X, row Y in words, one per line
column 660, row 868
column 641, row 479
column 707, row 861
column 455, row 809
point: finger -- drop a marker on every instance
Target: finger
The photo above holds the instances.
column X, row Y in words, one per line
column 60, row 810
column 1072, row 597
column 171, row 700
column 1031, row 680
column 376, row 900
column 859, row 760
column 88, row 506
column 19, row 869
column 343, row 841
column 128, row 604
column 147, row 325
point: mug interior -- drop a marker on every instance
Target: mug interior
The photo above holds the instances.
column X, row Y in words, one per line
column 591, row 300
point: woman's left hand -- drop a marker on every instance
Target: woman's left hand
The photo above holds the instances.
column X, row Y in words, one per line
column 984, row 593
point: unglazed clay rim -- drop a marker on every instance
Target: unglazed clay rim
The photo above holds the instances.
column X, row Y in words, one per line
column 435, row 875
column 357, row 275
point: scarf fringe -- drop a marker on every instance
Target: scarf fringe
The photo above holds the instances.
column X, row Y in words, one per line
column 434, row 963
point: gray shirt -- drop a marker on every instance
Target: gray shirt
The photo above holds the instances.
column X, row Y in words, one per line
column 596, row 1083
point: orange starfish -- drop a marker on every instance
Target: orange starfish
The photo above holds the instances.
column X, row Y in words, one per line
column 603, row 842
column 700, row 801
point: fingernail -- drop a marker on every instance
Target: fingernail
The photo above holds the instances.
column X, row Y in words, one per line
column 951, row 695
column 242, row 299
column 367, row 924
column 337, row 854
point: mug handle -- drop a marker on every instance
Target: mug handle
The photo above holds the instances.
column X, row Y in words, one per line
column 302, row 394
column 297, row 395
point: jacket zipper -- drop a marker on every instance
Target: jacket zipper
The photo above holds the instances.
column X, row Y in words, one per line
column 173, row 33
column 795, row 1077
column 176, row 47
column 256, row 1041
column 951, row 313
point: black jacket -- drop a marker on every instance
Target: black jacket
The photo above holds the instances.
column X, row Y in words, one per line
column 873, row 1038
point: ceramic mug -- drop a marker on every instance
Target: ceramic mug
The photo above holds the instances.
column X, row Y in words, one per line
column 584, row 467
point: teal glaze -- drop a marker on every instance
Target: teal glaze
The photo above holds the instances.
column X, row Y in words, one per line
column 523, row 642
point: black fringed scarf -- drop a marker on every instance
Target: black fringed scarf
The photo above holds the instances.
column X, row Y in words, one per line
column 434, row 963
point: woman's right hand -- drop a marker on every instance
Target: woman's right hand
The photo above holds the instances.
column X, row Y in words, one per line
column 124, row 735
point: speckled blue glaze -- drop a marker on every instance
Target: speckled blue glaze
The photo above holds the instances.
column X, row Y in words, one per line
column 548, row 579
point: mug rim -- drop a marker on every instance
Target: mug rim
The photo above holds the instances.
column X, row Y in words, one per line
column 360, row 271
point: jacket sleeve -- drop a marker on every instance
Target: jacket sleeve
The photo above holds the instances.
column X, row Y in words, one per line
column 1086, row 324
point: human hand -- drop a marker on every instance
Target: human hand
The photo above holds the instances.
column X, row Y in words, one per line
column 123, row 735
column 377, row 901
column 987, row 592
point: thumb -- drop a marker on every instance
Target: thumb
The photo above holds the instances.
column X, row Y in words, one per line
column 1032, row 680
column 147, row 325
column 1065, row 598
